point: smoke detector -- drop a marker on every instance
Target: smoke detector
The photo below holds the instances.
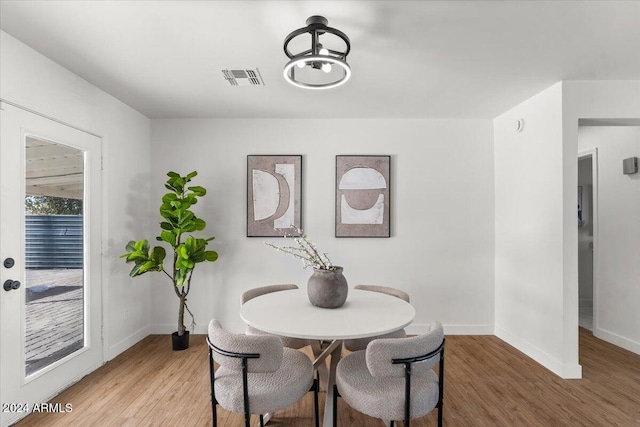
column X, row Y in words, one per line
column 241, row 76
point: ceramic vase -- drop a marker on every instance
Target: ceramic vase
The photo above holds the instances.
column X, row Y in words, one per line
column 327, row 288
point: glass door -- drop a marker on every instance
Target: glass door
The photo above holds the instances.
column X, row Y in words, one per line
column 50, row 264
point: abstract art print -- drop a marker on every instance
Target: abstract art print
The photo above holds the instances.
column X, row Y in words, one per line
column 363, row 193
column 274, row 190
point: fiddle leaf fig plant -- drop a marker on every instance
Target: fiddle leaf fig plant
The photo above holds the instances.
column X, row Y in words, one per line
column 178, row 220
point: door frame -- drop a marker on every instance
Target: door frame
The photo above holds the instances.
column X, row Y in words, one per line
column 593, row 154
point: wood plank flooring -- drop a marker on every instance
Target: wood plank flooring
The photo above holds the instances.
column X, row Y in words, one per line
column 487, row 383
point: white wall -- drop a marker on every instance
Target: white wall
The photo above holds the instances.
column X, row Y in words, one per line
column 529, row 228
column 537, row 257
column 618, row 316
column 35, row 82
column 441, row 249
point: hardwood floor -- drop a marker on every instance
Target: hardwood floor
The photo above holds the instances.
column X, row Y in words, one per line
column 487, row 383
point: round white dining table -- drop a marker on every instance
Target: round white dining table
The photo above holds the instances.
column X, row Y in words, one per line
column 364, row 314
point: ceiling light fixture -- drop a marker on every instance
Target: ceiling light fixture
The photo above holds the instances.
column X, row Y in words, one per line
column 320, row 67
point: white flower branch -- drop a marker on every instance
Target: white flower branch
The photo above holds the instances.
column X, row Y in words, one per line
column 306, row 251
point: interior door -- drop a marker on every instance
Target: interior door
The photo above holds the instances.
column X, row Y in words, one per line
column 50, row 262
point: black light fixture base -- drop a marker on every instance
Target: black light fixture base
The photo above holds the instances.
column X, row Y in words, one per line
column 317, row 19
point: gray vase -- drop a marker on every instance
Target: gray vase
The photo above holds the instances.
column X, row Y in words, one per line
column 327, row 288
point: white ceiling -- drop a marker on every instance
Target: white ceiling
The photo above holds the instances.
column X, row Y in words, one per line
column 436, row 59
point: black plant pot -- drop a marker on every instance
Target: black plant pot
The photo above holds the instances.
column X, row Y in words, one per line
column 180, row 342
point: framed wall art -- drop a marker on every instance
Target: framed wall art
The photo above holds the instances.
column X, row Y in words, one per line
column 363, row 196
column 274, row 195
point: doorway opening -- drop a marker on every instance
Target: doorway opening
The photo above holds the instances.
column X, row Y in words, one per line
column 609, row 230
column 586, row 242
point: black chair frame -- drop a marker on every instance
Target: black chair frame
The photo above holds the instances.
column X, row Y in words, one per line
column 408, row 362
column 315, row 387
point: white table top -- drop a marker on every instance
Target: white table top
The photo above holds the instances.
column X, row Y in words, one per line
column 365, row 314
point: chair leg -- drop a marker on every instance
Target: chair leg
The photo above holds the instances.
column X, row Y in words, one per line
column 214, row 414
column 391, row 424
column 261, row 421
column 441, row 385
column 335, row 405
column 316, row 388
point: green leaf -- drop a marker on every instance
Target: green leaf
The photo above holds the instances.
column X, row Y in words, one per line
column 169, row 237
column 158, row 255
column 191, row 175
column 211, row 256
column 198, row 190
column 187, row 215
column 166, row 225
column 182, row 251
column 136, row 256
column 169, row 197
column 142, row 245
column 189, row 200
column 134, row 271
column 200, row 224
column 191, row 243
column 172, row 174
column 167, row 212
column 131, row 246
column 146, row 267
column 181, row 278
column 198, row 257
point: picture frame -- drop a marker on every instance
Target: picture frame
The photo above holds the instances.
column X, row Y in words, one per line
column 363, row 196
column 274, row 195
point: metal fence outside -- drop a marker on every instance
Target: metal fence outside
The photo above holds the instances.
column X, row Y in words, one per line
column 54, row 241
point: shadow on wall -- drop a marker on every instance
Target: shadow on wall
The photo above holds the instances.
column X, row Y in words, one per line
column 138, row 220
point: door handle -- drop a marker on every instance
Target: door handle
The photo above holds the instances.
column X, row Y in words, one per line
column 10, row 285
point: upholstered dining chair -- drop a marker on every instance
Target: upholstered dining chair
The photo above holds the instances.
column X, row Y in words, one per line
column 393, row 378
column 361, row 343
column 257, row 375
column 295, row 343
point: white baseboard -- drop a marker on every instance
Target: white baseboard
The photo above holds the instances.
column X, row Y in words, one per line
column 126, row 343
column 563, row 370
column 417, row 329
column 413, row 329
column 162, row 329
column 202, row 329
column 618, row 340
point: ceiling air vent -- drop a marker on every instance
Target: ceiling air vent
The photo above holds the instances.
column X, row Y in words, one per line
column 243, row 77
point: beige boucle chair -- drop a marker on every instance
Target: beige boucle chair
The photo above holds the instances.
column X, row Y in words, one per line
column 296, row 343
column 257, row 375
column 393, row 379
column 361, row 343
